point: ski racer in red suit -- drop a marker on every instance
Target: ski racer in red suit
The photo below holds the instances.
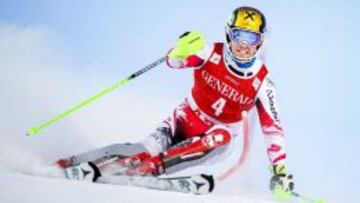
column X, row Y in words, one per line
column 229, row 79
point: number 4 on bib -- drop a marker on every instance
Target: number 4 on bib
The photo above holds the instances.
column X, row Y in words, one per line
column 218, row 106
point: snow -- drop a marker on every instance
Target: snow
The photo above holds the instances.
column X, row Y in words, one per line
column 19, row 188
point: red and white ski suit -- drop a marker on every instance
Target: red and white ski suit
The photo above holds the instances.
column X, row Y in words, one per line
column 219, row 96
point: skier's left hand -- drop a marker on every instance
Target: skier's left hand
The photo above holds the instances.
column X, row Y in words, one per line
column 281, row 183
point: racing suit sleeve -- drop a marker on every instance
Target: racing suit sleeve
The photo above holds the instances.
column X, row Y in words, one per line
column 192, row 61
column 270, row 123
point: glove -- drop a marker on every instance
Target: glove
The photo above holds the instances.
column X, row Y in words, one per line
column 281, row 183
column 188, row 44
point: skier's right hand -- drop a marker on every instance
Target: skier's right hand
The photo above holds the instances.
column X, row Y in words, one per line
column 188, row 44
column 281, row 183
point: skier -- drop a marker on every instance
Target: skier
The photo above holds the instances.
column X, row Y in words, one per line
column 229, row 79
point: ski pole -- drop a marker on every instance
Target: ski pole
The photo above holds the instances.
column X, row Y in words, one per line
column 36, row 129
column 306, row 199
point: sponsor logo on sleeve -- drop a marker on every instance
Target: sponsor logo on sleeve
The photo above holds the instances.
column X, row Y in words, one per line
column 270, row 95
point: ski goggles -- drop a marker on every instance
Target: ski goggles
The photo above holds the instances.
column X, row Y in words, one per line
column 240, row 35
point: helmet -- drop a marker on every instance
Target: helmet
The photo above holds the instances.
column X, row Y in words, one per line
column 245, row 23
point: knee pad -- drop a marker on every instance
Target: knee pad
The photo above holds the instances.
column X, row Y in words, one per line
column 216, row 136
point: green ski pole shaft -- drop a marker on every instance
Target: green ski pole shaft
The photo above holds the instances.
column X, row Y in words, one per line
column 36, row 129
column 306, row 199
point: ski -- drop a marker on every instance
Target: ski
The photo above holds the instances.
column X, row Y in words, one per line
column 195, row 184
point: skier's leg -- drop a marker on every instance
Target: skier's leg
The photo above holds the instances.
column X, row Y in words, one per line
column 89, row 166
column 181, row 125
column 158, row 140
column 191, row 152
column 102, row 154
